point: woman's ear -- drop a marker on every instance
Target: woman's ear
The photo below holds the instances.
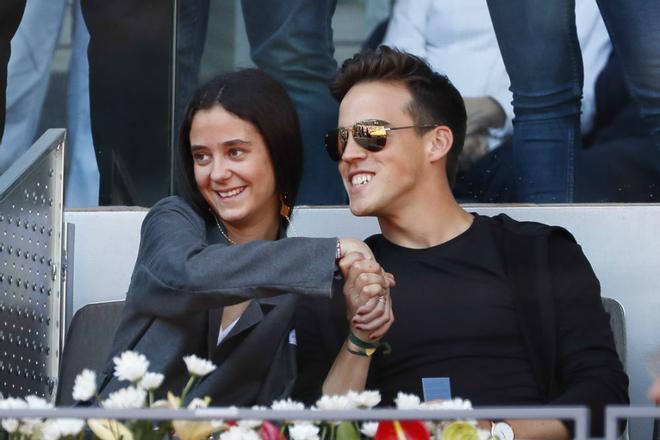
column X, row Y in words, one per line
column 440, row 140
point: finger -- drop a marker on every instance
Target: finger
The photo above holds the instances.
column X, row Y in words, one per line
column 348, row 260
column 391, row 282
column 374, row 323
column 364, row 265
column 370, row 279
column 380, row 332
column 372, row 291
column 367, row 307
column 376, row 309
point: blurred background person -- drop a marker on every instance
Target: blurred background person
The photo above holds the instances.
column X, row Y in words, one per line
column 614, row 166
column 541, row 51
column 29, row 74
column 11, row 12
column 292, row 40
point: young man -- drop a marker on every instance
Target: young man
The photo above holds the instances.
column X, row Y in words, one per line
column 497, row 311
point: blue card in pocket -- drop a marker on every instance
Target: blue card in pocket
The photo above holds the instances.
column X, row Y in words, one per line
column 436, row 388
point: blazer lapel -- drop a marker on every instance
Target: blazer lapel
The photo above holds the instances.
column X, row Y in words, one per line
column 250, row 317
column 213, row 330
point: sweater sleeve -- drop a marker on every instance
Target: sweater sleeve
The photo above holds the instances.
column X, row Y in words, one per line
column 178, row 271
column 588, row 368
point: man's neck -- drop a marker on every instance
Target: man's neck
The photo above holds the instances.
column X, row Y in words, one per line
column 426, row 222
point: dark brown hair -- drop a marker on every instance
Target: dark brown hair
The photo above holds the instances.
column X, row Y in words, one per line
column 253, row 96
column 435, row 100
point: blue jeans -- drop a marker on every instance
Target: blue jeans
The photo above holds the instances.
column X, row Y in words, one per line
column 539, row 45
column 292, row 41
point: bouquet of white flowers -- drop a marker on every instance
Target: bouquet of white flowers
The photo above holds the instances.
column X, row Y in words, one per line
column 139, row 393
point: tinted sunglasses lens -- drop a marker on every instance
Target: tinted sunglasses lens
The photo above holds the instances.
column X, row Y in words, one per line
column 332, row 142
column 370, row 137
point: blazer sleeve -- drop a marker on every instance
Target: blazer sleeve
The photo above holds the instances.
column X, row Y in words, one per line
column 588, row 368
column 178, row 272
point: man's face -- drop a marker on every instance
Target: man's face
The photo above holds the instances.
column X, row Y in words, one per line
column 380, row 183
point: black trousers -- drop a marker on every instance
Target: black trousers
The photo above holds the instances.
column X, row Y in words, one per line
column 130, row 86
column 11, row 12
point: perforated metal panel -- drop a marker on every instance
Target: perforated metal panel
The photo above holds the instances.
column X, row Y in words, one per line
column 31, row 211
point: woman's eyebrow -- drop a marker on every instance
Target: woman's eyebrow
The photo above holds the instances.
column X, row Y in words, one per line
column 233, row 142
column 229, row 143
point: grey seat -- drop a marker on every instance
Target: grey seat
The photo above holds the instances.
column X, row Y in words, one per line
column 618, row 324
column 87, row 344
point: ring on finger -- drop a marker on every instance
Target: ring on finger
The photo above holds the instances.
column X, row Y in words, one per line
column 382, row 299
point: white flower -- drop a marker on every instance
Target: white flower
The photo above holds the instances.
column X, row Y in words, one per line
column 369, row 429
column 150, row 381
column 335, row 402
column 31, row 426
column 54, row 429
column 130, row 366
column 126, row 398
column 448, row 404
column 406, row 401
column 365, row 399
column 239, row 433
column 287, row 405
column 249, row 424
column 84, row 387
column 11, row 425
column 304, row 431
column 197, row 366
column 197, row 403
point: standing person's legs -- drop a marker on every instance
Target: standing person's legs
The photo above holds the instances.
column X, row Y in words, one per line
column 130, row 97
column 28, row 76
column 11, row 12
column 634, row 29
column 82, row 181
column 292, row 40
column 192, row 22
column 540, row 48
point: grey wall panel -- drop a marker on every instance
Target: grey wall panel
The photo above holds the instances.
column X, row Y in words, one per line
column 621, row 241
column 31, row 293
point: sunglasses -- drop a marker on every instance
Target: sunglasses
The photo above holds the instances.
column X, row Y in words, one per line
column 370, row 135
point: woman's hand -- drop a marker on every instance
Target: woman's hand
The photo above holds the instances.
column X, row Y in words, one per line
column 349, row 245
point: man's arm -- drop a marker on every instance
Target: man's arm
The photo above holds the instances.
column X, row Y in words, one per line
column 588, row 368
column 369, row 314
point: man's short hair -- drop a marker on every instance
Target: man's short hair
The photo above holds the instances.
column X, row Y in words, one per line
column 435, row 100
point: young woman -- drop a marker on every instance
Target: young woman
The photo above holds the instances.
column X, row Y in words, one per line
column 215, row 275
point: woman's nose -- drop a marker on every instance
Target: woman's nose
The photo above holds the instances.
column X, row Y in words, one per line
column 220, row 170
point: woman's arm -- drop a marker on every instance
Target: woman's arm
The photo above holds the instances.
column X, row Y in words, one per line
column 178, row 271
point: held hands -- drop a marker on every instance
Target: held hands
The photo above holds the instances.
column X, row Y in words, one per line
column 367, row 294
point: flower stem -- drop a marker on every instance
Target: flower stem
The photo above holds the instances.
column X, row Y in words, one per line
column 187, row 388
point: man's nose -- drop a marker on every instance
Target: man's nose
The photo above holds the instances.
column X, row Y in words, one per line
column 353, row 150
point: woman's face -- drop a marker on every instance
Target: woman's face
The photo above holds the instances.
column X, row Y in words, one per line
column 233, row 169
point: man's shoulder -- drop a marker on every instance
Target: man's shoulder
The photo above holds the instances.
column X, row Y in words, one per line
column 511, row 228
column 372, row 240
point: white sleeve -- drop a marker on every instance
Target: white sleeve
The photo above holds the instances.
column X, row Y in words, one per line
column 408, row 26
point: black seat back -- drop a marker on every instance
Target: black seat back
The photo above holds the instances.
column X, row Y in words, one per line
column 87, row 344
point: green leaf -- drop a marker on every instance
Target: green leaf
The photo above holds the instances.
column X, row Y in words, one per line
column 347, row 431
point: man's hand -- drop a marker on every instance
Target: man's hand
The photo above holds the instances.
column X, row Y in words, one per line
column 367, row 296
